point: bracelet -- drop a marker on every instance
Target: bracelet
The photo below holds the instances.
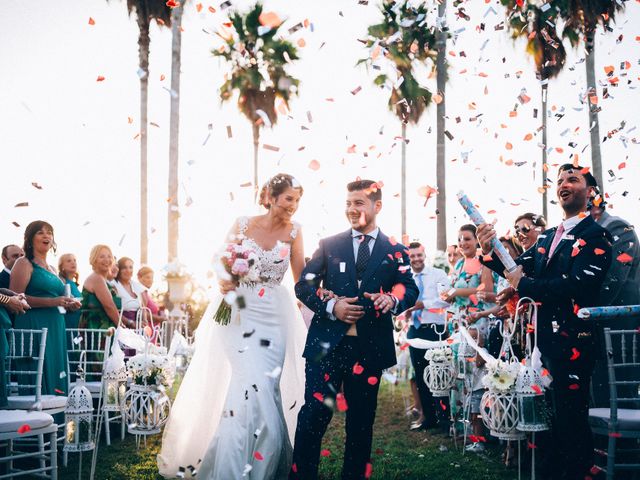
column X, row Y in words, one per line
column 4, row 299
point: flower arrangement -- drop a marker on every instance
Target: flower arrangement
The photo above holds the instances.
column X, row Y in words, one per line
column 439, row 260
column 151, row 369
column 175, row 269
column 444, row 354
column 501, row 376
column 238, row 263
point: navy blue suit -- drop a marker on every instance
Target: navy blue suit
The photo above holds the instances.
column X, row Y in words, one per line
column 571, row 279
column 335, row 360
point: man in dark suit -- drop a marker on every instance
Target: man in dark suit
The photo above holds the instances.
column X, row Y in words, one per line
column 350, row 339
column 564, row 272
column 10, row 253
column 621, row 287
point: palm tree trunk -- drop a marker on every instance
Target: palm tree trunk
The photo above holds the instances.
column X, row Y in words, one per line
column 544, row 92
column 256, row 142
column 173, row 214
column 441, row 80
column 403, row 184
column 143, row 52
column 594, row 126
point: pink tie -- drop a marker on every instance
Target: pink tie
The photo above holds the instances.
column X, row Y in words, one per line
column 556, row 240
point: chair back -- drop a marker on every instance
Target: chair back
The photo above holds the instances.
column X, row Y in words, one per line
column 623, row 364
column 95, row 342
column 24, row 362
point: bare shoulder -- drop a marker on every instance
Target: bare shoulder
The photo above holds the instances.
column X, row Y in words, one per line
column 23, row 264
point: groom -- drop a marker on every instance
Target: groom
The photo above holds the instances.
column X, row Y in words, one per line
column 350, row 340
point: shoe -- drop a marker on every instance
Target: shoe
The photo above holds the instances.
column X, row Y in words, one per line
column 417, row 426
column 475, row 448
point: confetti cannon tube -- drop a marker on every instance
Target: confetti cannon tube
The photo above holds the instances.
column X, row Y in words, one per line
column 609, row 313
column 477, row 218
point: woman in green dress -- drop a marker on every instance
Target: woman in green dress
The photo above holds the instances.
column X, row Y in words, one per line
column 100, row 304
column 68, row 271
column 44, row 290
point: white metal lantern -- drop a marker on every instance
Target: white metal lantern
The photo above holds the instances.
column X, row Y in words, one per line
column 147, row 409
column 532, row 406
column 440, row 374
column 78, row 414
column 499, row 412
column 115, row 389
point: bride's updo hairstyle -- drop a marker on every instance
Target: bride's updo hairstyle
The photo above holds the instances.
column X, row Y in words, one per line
column 276, row 186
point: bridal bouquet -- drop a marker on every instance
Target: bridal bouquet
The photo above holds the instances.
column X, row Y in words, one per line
column 151, row 369
column 501, row 376
column 239, row 263
column 439, row 355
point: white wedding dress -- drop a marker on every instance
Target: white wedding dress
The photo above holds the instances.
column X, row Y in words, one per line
column 235, row 414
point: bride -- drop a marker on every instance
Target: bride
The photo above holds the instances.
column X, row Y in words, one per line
column 235, row 413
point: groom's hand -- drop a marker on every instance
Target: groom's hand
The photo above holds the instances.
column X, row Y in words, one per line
column 381, row 301
column 346, row 310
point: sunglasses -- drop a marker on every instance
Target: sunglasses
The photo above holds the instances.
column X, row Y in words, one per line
column 524, row 230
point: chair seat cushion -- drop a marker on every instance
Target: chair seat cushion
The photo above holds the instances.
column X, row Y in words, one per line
column 12, row 420
column 627, row 419
column 26, row 402
column 94, row 387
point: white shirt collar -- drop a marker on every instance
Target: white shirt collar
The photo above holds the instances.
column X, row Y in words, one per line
column 373, row 234
column 7, row 270
column 570, row 223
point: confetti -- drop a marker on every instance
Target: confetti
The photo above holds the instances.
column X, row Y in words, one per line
column 357, row 369
column 24, row 429
column 258, row 456
column 372, row 381
column 325, row 453
column 91, row 21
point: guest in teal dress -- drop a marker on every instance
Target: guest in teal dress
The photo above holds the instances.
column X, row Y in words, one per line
column 68, row 271
column 100, row 303
column 44, row 290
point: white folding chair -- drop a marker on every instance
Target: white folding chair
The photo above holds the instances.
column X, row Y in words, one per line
column 20, row 424
column 97, row 343
column 25, row 363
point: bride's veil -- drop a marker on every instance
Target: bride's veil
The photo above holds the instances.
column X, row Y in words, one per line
column 198, row 407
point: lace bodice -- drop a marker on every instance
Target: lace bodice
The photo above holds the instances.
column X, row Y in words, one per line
column 272, row 264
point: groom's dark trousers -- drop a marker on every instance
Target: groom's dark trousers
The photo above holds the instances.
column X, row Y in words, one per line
column 337, row 361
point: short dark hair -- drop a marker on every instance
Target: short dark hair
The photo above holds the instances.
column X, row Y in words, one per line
column 589, row 178
column 537, row 220
column 30, row 232
column 415, row 245
column 372, row 189
column 6, row 248
column 276, row 186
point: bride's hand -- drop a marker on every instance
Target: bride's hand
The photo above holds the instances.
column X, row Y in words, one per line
column 226, row 286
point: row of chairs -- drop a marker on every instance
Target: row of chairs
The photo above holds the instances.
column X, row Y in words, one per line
column 27, row 427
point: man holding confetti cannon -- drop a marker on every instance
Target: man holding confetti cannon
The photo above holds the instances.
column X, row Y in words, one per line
column 564, row 272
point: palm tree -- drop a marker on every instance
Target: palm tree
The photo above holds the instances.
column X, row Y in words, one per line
column 146, row 11
column 403, row 37
column 582, row 19
column 441, row 81
column 174, row 130
column 258, row 62
column 537, row 22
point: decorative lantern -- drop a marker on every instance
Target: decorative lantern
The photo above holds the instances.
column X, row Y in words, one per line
column 147, row 409
column 499, row 412
column 115, row 389
column 440, row 374
column 530, row 385
column 78, row 414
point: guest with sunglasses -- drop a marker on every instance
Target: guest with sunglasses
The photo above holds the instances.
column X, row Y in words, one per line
column 527, row 227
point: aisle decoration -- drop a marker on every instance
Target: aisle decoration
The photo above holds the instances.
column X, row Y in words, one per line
column 440, row 374
column 78, row 413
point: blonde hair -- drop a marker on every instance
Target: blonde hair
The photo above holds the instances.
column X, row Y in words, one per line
column 95, row 253
column 64, row 258
column 144, row 270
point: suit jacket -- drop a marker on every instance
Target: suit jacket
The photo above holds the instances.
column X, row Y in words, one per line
column 4, row 279
column 333, row 267
column 570, row 280
column 622, row 284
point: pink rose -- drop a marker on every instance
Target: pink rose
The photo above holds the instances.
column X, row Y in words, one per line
column 240, row 267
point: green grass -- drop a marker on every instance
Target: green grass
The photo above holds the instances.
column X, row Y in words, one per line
column 397, row 453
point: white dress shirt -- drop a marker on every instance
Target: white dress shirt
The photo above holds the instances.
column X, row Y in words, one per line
column 570, row 223
column 430, row 297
